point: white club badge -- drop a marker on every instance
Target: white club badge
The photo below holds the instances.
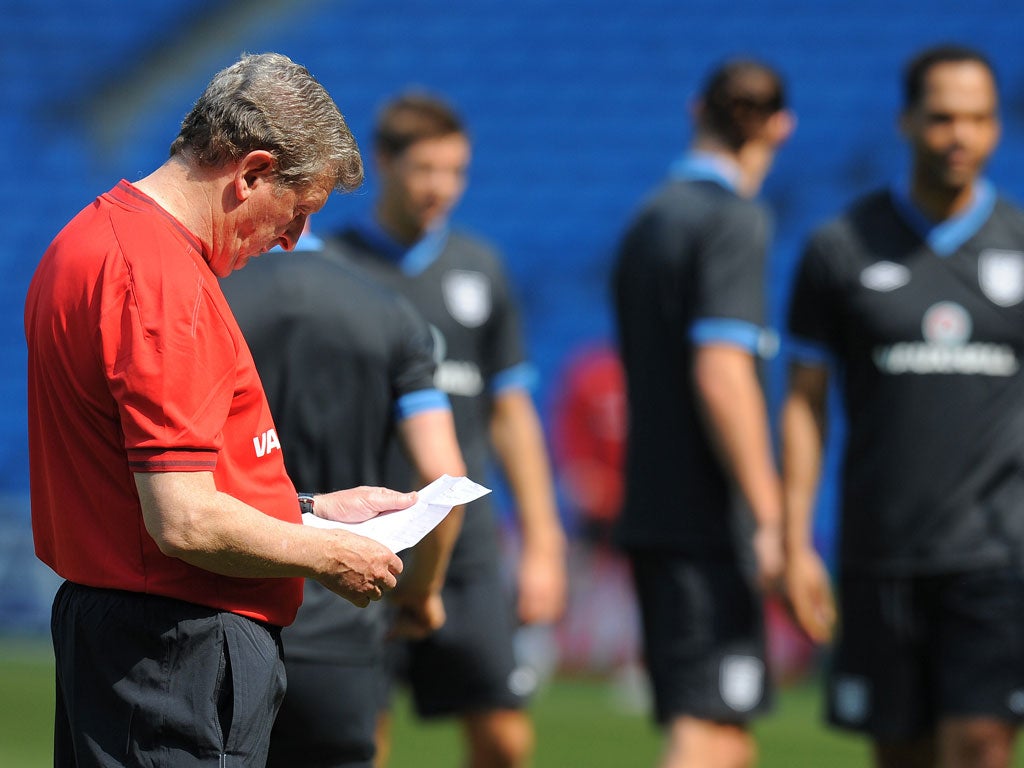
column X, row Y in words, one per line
column 467, row 295
column 946, row 323
column 741, row 682
column 1001, row 276
column 851, row 699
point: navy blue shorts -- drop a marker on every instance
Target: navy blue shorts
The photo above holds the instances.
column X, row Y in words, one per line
column 468, row 665
column 914, row 650
column 329, row 717
column 147, row 680
column 703, row 638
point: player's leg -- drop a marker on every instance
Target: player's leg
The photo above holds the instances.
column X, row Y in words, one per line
column 467, row 669
column 976, row 743
column 498, row 738
column 879, row 682
column 396, row 663
column 704, row 650
column 693, row 743
column 980, row 667
column 327, row 718
column 910, row 753
column 149, row 680
column 382, row 738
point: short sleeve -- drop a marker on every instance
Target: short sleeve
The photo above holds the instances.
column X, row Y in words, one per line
column 170, row 361
column 504, row 349
column 812, row 322
column 730, row 266
column 414, row 364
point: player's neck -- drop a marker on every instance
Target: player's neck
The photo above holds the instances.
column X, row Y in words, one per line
column 939, row 202
column 752, row 160
column 167, row 186
column 400, row 227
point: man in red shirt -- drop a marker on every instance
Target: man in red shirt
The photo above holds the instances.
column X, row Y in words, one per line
column 158, row 488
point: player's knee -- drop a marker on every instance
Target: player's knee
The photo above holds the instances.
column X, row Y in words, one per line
column 977, row 744
column 500, row 740
column 703, row 744
column 735, row 749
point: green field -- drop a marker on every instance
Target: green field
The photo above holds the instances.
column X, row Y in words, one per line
column 579, row 725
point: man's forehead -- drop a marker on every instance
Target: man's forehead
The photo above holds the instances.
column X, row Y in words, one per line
column 959, row 78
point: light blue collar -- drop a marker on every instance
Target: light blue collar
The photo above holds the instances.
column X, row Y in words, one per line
column 946, row 237
column 696, row 165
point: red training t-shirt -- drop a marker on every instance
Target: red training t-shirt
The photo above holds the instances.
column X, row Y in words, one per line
column 135, row 363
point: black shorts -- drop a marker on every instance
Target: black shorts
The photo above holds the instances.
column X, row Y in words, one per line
column 703, row 638
column 147, row 680
column 329, row 716
column 915, row 650
column 468, row 665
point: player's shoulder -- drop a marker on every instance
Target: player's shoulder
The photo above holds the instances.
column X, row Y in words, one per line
column 358, row 280
column 347, row 241
column 468, row 250
column 710, row 203
column 1009, row 211
column 863, row 214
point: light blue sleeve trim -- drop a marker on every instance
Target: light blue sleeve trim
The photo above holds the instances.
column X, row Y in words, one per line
column 705, row 166
column 522, row 376
column 805, row 351
column 420, row 401
column 720, row 330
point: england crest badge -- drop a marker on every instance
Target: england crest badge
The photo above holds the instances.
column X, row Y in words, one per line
column 741, row 682
column 467, row 295
column 1001, row 276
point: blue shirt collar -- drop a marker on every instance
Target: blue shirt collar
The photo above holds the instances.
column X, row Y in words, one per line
column 696, row 165
column 946, row 237
column 411, row 259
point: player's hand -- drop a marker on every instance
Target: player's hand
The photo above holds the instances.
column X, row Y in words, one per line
column 809, row 593
column 354, row 505
column 542, row 585
column 417, row 615
column 770, row 557
column 357, row 568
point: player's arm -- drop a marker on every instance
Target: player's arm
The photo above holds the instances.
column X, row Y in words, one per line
column 733, row 403
column 518, row 440
column 803, row 434
column 432, row 447
column 190, row 519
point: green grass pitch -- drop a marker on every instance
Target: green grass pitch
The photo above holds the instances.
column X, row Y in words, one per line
column 578, row 720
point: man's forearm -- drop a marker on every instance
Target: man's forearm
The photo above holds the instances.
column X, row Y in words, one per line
column 737, row 418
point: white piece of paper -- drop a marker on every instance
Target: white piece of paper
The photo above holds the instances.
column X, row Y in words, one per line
column 404, row 528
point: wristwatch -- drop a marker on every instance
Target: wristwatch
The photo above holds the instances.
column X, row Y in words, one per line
column 306, row 503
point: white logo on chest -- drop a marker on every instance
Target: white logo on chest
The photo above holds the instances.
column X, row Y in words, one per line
column 265, row 443
column 884, row 276
column 1001, row 276
column 467, row 295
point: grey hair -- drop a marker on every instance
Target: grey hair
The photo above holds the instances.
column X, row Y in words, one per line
column 266, row 101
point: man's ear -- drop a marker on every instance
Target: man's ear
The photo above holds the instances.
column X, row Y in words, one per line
column 255, row 168
column 781, row 126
